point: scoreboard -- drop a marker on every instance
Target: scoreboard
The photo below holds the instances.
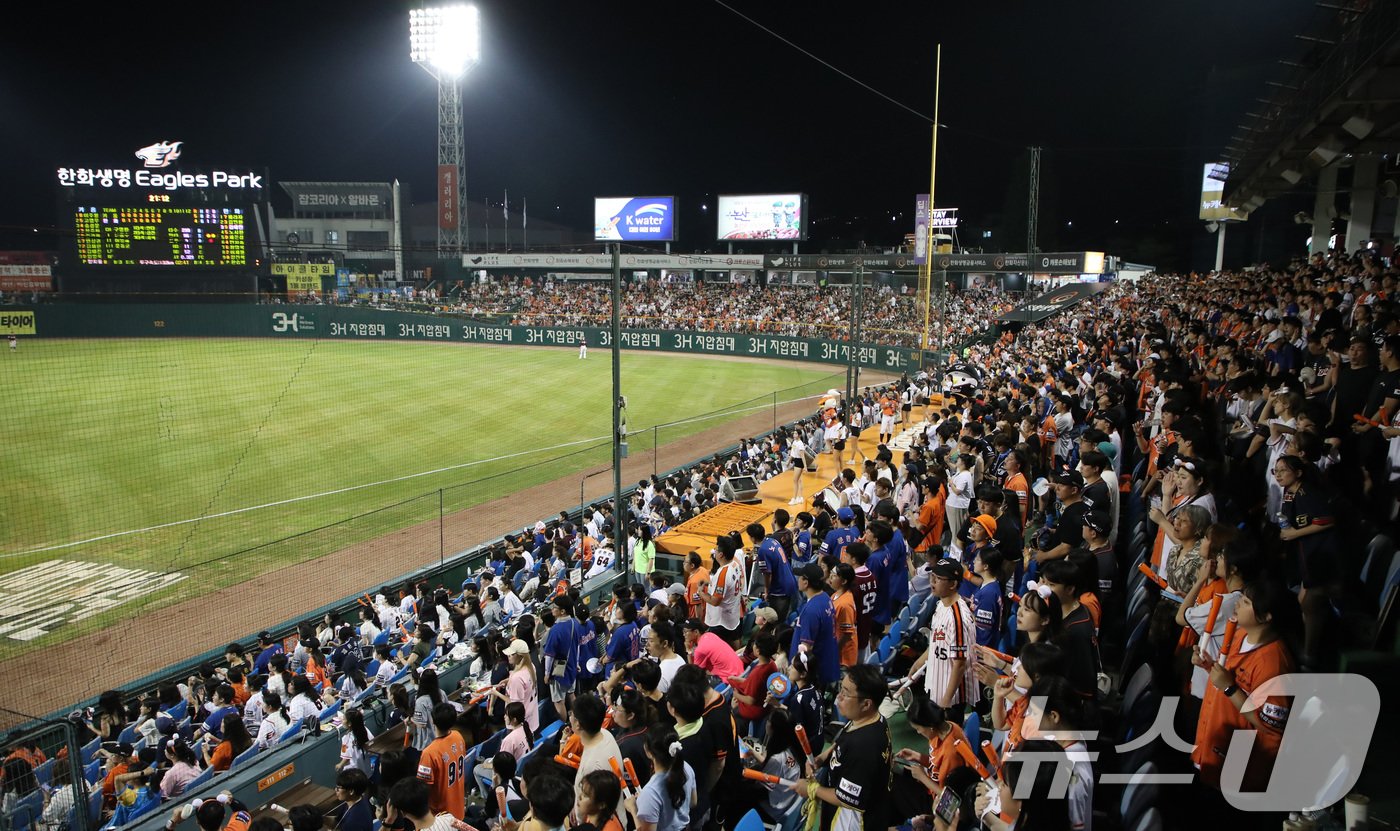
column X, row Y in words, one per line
column 161, row 236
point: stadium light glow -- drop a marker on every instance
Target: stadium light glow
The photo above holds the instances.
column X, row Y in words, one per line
column 445, row 40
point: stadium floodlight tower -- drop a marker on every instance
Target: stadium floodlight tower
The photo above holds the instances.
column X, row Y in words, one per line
column 446, row 41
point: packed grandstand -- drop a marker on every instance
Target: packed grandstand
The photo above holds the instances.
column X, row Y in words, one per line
column 1176, row 492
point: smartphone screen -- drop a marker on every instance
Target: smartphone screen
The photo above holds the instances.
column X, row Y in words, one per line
column 948, row 804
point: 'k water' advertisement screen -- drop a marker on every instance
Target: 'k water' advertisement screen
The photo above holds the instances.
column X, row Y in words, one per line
column 634, row 218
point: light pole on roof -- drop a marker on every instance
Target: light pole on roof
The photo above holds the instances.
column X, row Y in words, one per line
column 446, row 41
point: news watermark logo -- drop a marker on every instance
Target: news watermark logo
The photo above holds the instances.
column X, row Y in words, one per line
column 1326, row 736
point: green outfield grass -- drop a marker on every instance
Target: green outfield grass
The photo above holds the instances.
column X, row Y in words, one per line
column 108, row 436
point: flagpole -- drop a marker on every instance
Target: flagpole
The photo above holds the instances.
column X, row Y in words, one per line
column 505, row 217
column 524, row 220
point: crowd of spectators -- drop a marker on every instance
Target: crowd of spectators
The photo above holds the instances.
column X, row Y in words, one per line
column 890, row 316
column 1171, row 490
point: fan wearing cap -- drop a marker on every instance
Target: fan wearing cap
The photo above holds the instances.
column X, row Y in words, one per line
column 1069, row 529
column 947, row 662
column 982, row 536
column 841, row 536
column 815, row 632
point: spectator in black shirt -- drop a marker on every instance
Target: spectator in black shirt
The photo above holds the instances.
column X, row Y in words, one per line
column 1353, row 386
column 1069, row 528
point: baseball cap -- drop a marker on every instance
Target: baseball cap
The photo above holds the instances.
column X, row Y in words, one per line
column 947, row 569
column 676, row 588
column 1073, row 478
column 814, row 575
column 988, row 524
column 693, row 624
column 1107, row 448
column 767, row 613
column 845, row 514
column 517, row 647
column 1097, row 521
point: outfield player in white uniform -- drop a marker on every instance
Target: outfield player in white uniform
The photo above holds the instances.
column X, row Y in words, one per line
column 951, row 653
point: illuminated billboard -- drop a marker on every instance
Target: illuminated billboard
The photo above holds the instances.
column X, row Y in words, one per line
column 634, row 219
column 781, row 216
column 1213, row 193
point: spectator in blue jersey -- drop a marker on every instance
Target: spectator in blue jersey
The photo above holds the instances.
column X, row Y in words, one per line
column 590, row 630
column 898, row 550
column 625, row 643
column 989, row 598
column 222, row 702
column 561, row 655
column 815, row 633
column 802, row 540
column 880, row 536
column 842, row 535
column 781, row 586
column 270, row 646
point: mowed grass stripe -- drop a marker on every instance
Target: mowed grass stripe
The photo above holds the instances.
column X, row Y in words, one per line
column 108, row 436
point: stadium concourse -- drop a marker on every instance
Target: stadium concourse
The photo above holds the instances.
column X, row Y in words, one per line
column 1103, row 551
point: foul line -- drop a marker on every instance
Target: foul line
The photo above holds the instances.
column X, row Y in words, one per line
column 295, row 499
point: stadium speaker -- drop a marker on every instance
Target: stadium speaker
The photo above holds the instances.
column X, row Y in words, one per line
column 1326, row 151
column 1358, row 126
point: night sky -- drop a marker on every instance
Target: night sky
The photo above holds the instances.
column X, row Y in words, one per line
column 573, row 100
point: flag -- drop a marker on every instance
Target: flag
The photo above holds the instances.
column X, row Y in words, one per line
column 524, row 212
column 505, row 208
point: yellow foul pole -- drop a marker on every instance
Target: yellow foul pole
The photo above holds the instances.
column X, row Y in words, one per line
column 932, row 176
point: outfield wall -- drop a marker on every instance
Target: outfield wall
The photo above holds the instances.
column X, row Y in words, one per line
column 358, row 323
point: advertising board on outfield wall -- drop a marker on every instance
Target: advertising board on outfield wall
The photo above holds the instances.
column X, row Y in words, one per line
column 313, row 321
column 598, row 262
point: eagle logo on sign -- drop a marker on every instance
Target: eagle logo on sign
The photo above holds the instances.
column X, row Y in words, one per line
column 160, row 154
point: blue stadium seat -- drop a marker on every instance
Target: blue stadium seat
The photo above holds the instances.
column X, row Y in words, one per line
column 94, row 807
column 199, row 781
column 289, row 733
column 1151, row 820
column 26, row 811
column 547, row 713
column 972, row 728
column 328, row 713
column 792, row 820
column 244, row 757
column 750, row 822
column 382, row 639
column 92, row 771
column 547, row 731
column 491, row 746
column 89, row 750
column 129, row 734
column 372, row 669
column 1138, row 795
column 896, row 629
column 44, row 773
